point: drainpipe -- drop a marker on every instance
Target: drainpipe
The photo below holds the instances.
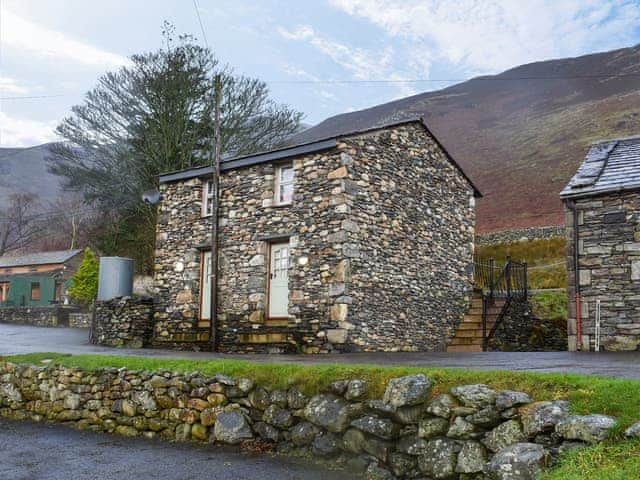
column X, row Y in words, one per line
column 213, row 312
column 576, row 269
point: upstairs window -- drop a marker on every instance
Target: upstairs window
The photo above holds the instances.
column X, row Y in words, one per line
column 284, row 185
column 35, row 291
column 207, row 198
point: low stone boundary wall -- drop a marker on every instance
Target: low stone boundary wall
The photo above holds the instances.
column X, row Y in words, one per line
column 123, row 322
column 518, row 235
column 44, row 316
column 465, row 433
column 80, row 319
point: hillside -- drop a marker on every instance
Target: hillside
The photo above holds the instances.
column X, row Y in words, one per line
column 521, row 140
column 25, row 170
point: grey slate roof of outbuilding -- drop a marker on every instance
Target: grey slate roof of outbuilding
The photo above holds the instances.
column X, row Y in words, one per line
column 610, row 166
column 40, row 258
column 302, row 149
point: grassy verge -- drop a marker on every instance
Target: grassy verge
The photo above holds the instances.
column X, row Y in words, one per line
column 545, row 258
column 606, row 461
column 587, row 394
column 550, row 305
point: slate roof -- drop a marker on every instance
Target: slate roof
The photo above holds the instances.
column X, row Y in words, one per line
column 297, row 149
column 610, row 166
column 40, row 258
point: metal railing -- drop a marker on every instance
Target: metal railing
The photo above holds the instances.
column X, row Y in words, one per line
column 507, row 281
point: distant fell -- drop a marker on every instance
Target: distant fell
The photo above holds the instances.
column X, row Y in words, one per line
column 24, row 170
column 520, row 135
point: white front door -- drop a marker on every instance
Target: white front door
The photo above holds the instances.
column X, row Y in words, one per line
column 205, row 287
column 279, row 281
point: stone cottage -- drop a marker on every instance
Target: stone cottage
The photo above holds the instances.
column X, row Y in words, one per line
column 602, row 206
column 358, row 242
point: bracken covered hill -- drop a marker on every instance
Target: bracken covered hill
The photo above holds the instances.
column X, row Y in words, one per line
column 521, row 134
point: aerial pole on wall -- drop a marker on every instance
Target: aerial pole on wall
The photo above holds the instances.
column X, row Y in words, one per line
column 215, row 164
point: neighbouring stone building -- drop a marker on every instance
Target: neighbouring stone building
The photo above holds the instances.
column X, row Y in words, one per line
column 361, row 241
column 602, row 205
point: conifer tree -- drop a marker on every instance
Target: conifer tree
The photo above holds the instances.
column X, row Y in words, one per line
column 84, row 284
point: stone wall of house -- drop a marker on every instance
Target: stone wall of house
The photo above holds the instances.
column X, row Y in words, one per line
column 38, row 316
column 520, row 235
column 469, row 432
column 380, row 230
column 609, row 270
column 521, row 331
column 410, row 243
column 123, row 322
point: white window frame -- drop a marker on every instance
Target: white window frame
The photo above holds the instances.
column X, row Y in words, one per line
column 279, row 183
column 207, row 198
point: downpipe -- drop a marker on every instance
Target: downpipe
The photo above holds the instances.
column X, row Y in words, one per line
column 576, row 277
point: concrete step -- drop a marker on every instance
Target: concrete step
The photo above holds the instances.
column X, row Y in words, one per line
column 490, row 320
column 464, row 348
column 466, row 341
column 475, row 333
column 478, row 311
column 473, row 326
column 477, row 321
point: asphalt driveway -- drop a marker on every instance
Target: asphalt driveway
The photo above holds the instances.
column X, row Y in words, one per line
column 33, row 451
column 17, row 339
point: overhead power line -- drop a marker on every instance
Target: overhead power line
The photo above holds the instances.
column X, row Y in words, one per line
column 35, row 97
column 204, row 35
column 383, row 81
column 482, row 79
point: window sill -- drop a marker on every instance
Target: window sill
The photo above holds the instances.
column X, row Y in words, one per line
column 277, row 205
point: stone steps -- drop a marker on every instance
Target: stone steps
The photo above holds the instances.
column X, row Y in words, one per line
column 468, row 337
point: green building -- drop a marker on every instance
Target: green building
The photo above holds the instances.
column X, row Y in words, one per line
column 37, row 279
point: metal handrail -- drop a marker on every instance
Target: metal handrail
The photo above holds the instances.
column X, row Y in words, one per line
column 510, row 283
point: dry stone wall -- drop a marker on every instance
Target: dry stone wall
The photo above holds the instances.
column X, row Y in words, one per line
column 472, row 431
column 520, row 235
column 80, row 319
column 522, row 331
column 123, row 322
column 39, row 316
column 381, row 236
column 609, row 271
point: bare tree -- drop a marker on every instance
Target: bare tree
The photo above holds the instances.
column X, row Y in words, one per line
column 19, row 223
column 68, row 223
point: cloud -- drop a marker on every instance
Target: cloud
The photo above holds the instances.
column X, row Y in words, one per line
column 301, row 32
column 31, row 39
column 490, row 36
column 361, row 63
column 12, row 87
column 20, row 132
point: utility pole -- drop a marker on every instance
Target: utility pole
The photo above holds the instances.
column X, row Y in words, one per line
column 215, row 161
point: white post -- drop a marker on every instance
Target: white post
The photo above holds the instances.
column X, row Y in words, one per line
column 597, row 342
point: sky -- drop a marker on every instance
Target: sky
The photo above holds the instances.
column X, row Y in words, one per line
column 53, row 51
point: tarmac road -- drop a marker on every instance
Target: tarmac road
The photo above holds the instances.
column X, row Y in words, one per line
column 18, row 339
column 34, row 451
